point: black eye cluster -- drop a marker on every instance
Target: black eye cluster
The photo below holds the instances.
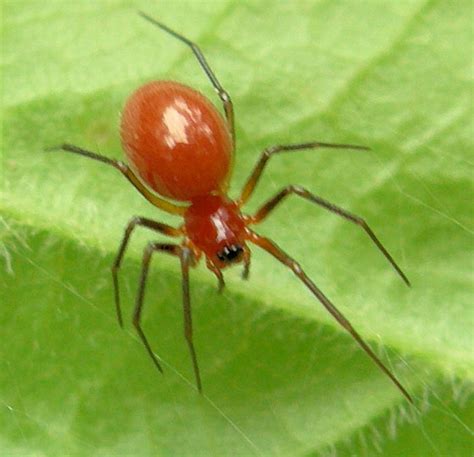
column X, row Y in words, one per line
column 230, row 253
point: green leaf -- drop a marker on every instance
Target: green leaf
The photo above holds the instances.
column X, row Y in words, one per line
column 280, row 377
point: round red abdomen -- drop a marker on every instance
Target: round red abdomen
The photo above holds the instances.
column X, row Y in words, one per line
column 176, row 140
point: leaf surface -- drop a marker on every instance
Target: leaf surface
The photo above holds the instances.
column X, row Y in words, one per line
column 280, row 377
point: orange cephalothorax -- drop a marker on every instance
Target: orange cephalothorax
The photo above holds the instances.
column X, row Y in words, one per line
column 215, row 225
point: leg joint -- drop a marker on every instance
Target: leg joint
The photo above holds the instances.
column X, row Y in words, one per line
column 295, row 189
column 268, row 152
column 224, row 96
column 149, row 249
column 133, row 222
column 296, row 267
column 122, row 166
column 360, row 221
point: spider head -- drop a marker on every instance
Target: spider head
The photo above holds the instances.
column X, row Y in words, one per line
column 232, row 253
column 216, row 226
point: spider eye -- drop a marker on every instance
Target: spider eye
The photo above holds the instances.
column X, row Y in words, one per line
column 229, row 254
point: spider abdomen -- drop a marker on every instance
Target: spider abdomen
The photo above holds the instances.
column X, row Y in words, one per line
column 176, row 140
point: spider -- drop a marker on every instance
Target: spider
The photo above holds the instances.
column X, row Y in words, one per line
column 180, row 148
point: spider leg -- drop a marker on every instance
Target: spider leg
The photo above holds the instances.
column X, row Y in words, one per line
column 246, row 260
column 252, row 181
column 266, row 208
column 285, row 259
column 128, row 173
column 186, row 260
column 185, row 256
column 134, row 222
column 221, row 92
column 218, row 273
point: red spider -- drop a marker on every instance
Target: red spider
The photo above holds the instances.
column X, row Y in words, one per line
column 180, row 147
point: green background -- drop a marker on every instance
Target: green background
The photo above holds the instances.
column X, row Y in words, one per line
column 280, row 377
